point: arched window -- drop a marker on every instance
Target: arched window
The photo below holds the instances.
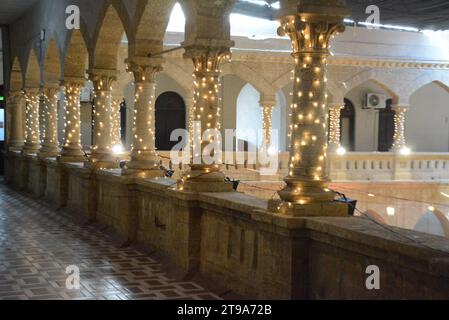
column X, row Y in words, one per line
column 347, row 126
column 249, row 118
column 170, row 115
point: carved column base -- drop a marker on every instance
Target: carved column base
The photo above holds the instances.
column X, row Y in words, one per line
column 30, row 148
column 103, row 160
column 15, row 146
column 72, row 155
column 144, row 165
column 306, row 191
column 318, row 209
column 48, row 152
column 143, row 173
column 205, row 179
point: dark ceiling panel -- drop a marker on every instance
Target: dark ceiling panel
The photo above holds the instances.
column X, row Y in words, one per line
column 420, row 14
column 11, row 10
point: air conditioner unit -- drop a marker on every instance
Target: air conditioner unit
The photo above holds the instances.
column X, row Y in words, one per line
column 376, row 101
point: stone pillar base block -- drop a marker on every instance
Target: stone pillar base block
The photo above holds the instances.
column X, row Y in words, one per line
column 316, row 209
column 29, row 150
column 102, row 164
column 47, row 154
column 142, row 173
column 71, row 159
column 205, row 186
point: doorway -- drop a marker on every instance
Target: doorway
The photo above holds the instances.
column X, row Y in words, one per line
column 347, row 126
column 170, row 115
column 386, row 127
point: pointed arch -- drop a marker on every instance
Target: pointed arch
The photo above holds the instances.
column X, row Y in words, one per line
column 33, row 71
column 249, row 75
column 152, row 19
column 393, row 95
column 178, row 74
column 52, row 63
column 109, row 36
column 439, row 83
column 76, row 56
column 249, row 117
column 16, row 77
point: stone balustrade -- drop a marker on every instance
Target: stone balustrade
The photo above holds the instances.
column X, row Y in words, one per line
column 232, row 239
column 354, row 166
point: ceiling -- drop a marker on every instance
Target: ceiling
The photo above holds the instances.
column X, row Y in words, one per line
column 429, row 14
column 10, row 10
column 420, row 14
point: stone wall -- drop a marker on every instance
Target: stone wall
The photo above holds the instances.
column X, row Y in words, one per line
column 232, row 240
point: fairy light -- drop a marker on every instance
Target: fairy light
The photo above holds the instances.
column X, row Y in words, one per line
column 144, row 145
column 334, row 126
column 32, row 142
column 399, row 142
column 102, row 83
column 267, row 124
column 72, row 117
column 307, row 176
column 115, row 122
column 49, row 116
column 206, row 110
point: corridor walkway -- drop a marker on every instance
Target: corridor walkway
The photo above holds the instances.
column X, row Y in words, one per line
column 38, row 244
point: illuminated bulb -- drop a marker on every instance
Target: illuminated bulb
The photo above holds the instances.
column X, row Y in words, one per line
column 341, row 151
column 391, row 211
column 405, row 151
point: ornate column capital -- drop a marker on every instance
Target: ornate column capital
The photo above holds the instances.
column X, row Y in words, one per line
column 208, row 54
column 267, row 100
column 145, row 69
column 311, row 24
column 401, row 108
column 102, row 78
column 336, row 106
column 73, row 82
column 15, row 97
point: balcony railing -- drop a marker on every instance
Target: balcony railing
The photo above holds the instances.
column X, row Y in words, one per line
column 354, row 166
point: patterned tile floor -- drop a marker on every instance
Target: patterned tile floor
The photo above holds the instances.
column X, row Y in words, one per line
column 37, row 245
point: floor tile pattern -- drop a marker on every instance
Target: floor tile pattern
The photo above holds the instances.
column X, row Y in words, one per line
column 38, row 244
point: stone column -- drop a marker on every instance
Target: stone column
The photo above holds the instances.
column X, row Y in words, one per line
column 16, row 103
column 32, row 142
column 72, row 150
column 206, row 114
column 310, row 26
column 144, row 162
column 49, row 115
column 399, row 141
column 335, row 126
column 102, row 154
column 267, row 106
column 115, row 121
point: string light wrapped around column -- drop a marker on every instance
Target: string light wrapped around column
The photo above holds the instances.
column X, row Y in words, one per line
column 399, row 141
column 267, row 122
column 32, row 142
column 145, row 161
column 115, row 122
column 310, row 26
column 72, row 149
column 206, row 114
column 49, row 114
column 335, row 128
column 102, row 150
column 16, row 103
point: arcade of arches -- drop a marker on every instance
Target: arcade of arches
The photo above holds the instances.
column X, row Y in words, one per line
column 90, row 114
